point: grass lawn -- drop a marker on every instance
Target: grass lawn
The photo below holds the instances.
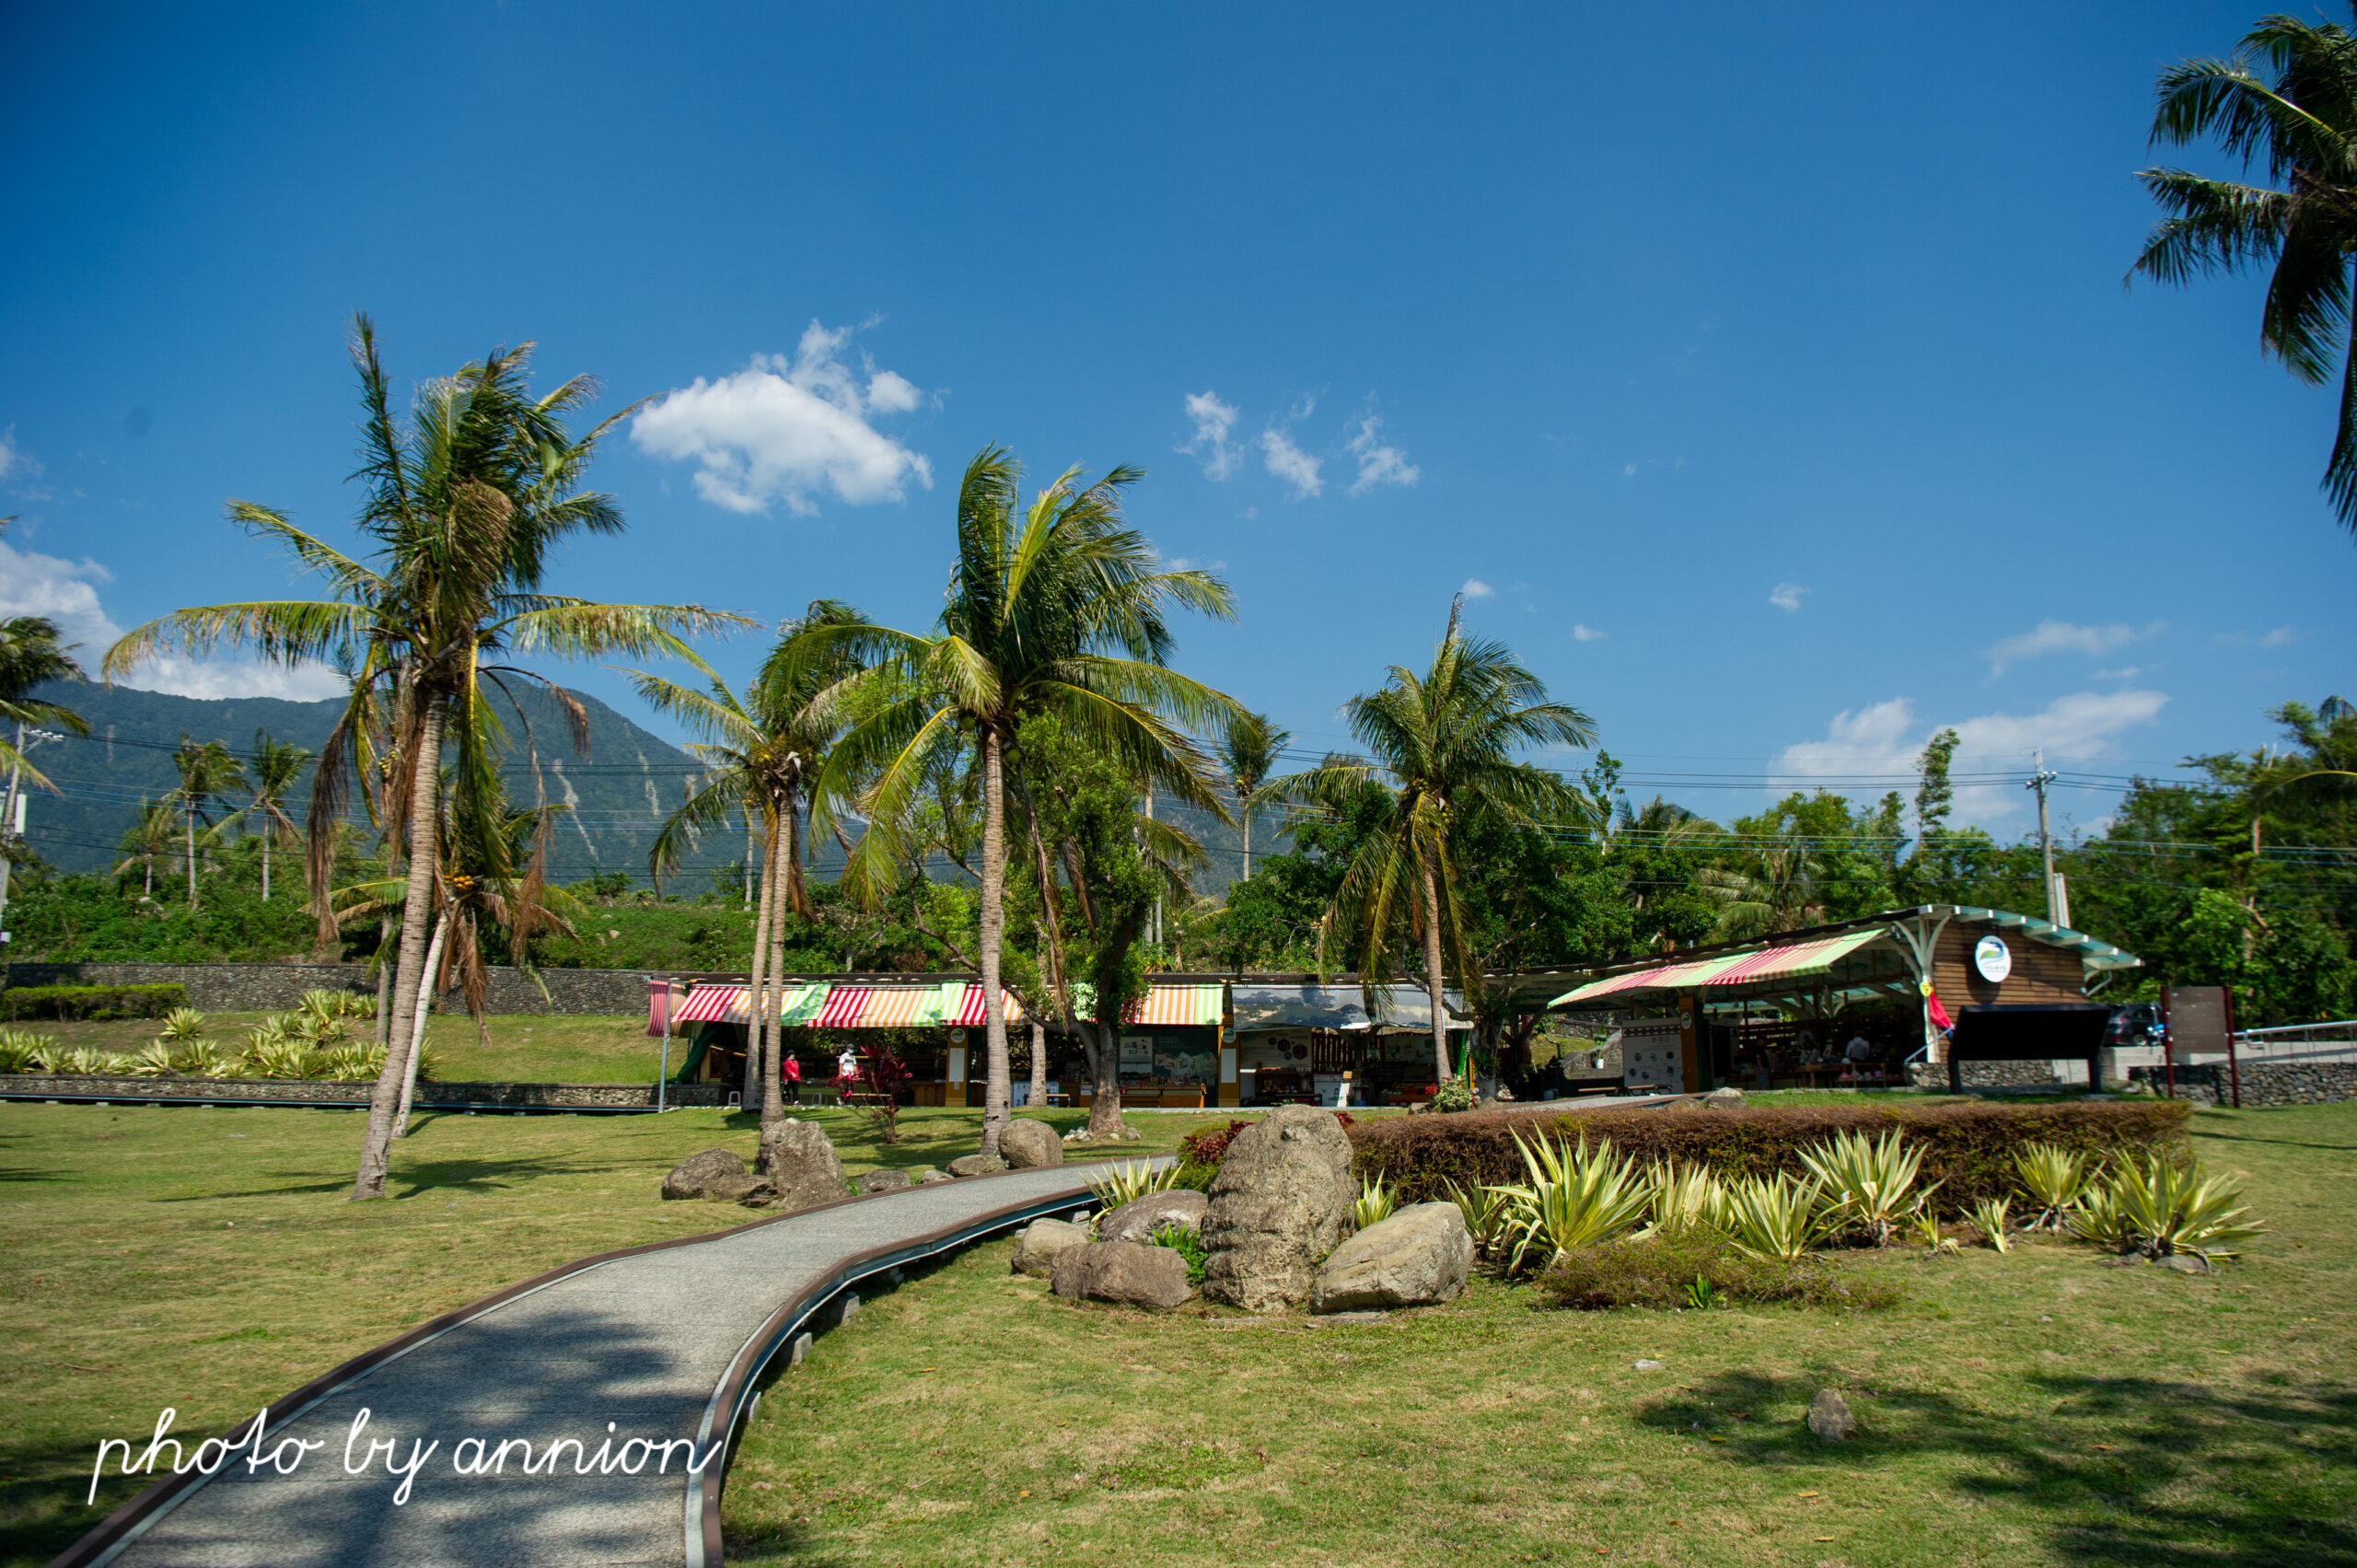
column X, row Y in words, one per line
column 588, row 1050
column 207, row 1260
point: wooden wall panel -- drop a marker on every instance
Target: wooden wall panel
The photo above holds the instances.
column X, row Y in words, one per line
column 2041, row 974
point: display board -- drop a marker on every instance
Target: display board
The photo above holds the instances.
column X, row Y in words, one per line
column 1650, row 1055
column 2198, row 1021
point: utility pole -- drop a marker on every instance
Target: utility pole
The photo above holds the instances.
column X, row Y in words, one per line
column 2039, row 780
column 12, row 815
column 1158, row 897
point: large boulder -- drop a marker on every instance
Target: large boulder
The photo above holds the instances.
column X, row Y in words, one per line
column 976, row 1165
column 1042, row 1242
column 1420, row 1257
column 1122, row 1272
column 1138, row 1221
column 801, row 1165
column 693, row 1177
column 1281, row 1202
column 1026, row 1144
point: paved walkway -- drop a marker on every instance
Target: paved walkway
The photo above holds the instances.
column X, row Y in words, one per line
column 664, row 1343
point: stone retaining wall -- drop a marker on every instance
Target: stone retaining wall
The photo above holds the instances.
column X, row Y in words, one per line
column 2263, row 1083
column 315, row 1091
column 269, row 988
column 1994, row 1075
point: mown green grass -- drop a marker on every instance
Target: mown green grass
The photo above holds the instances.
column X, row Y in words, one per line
column 512, row 1048
column 2033, row 1408
column 209, row 1260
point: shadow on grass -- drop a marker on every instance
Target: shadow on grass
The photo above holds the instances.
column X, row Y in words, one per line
column 28, row 1173
column 416, row 1179
column 2123, row 1469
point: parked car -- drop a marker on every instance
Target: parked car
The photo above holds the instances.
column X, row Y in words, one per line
column 2137, row 1023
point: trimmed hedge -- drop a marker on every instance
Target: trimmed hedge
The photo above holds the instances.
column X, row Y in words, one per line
column 71, row 1001
column 1968, row 1148
column 1657, row 1271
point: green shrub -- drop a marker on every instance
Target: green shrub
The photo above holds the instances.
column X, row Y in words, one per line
column 1967, row 1149
column 1208, row 1145
column 1700, row 1268
column 1186, row 1243
column 1192, row 1177
column 91, row 1002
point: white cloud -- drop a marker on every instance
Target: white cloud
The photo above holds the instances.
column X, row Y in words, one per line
column 1627, row 470
column 1476, row 589
column 13, row 456
column 1786, row 596
column 1290, row 463
column 67, row 593
column 2051, row 636
column 1379, row 464
column 2278, row 638
column 1871, row 750
column 789, row 430
column 1213, row 420
column 1586, row 633
column 2125, row 672
column 1188, row 564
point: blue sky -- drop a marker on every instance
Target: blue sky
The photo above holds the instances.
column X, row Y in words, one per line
column 1763, row 374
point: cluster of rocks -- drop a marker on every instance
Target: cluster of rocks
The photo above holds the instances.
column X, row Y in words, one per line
column 1274, row 1231
column 798, row 1168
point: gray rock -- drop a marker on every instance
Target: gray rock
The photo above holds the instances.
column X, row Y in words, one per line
column 1420, row 1257
column 801, row 1164
column 885, row 1182
column 1140, row 1220
column 976, row 1165
column 753, row 1191
column 1279, row 1203
column 1727, row 1099
column 693, row 1176
column 1346, row 1317
column 2184, row 1263
column 1037, row 1248
column 1829, row 1417
column 927, row 1176
column 1121, row 1272
column 1024, row 1144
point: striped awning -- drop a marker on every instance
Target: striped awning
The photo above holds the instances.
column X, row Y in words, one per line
column 902, row 1007
column 1794, row 958
column 972, row 1013
column 844, row 1006
column 1179, row 1006
column 1635, row 980
column 798, row 1003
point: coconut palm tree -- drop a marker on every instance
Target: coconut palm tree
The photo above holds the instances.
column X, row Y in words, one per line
column 2286, row 99
column 1442, row 746
column 1248, row 750
column 31, row 654
column 208, row 773
column 1055, row 608
column 768, row 747
column 277, row 765
column 149, row 839
column 464, row 500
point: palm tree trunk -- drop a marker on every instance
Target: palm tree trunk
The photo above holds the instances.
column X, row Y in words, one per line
column 1037, row 1098
column 265, row 867
column 772, row 1030
column 1433, row 971
column 191, row 858
column 417, row 1028
column 993, row 929
column 1244, row 810
column 749, row 860
column 384, row 1019
column 424, row 855
column 756, row 989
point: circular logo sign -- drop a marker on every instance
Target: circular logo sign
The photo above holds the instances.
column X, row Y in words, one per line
column 1991, row 958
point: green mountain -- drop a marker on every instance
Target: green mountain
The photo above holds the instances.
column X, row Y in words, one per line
column 618, row 793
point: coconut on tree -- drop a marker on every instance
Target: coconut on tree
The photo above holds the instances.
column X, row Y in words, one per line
column 1443, row 748
column 462, row 502
column 1056, row 608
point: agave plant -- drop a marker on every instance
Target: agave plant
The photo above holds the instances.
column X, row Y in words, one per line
column 82, row 1062
column 272, row 1031
column 1992, row 1215
column 21, row 1050
column 2164, row 1208
column 181, row 1024
column 1869, row 1180
column 1374, row 1204
column 1571, row 1199
column 1777, row 1218
column 1684, row 1198
column 152, row 1061
column 280, row 1059
column 1487, row 1214
column 2056, row 1179
column 203, row 1059
column 2096, row 1217
column 1123, row 1183
column 1927, row 1230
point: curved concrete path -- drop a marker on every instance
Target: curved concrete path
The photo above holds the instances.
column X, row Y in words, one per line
column 664, row 1341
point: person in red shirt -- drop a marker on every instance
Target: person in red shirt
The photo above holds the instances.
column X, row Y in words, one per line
column 791, row 1074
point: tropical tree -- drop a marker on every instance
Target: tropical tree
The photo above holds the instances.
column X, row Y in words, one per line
column 463, row 501
column 767, row 749
column 1249, row 750
column 1442, row 747
column 274, row 767
column 1055, row 609
column 2286, row 99
column 31, row 654
column 149, row 839
column 207, row 772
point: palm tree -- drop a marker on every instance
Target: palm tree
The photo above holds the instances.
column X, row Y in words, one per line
column 1248, row 750
column 1057, row 608
column 768, row 747
column 1442, row 748
column 2303, row 127
column 464, row 501
column 277, row 765
column 148, row 841
column 207, row 772
column 30, row 655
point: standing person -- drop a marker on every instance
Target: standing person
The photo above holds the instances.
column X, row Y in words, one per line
column 791, row 1074
column 847, row 1065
